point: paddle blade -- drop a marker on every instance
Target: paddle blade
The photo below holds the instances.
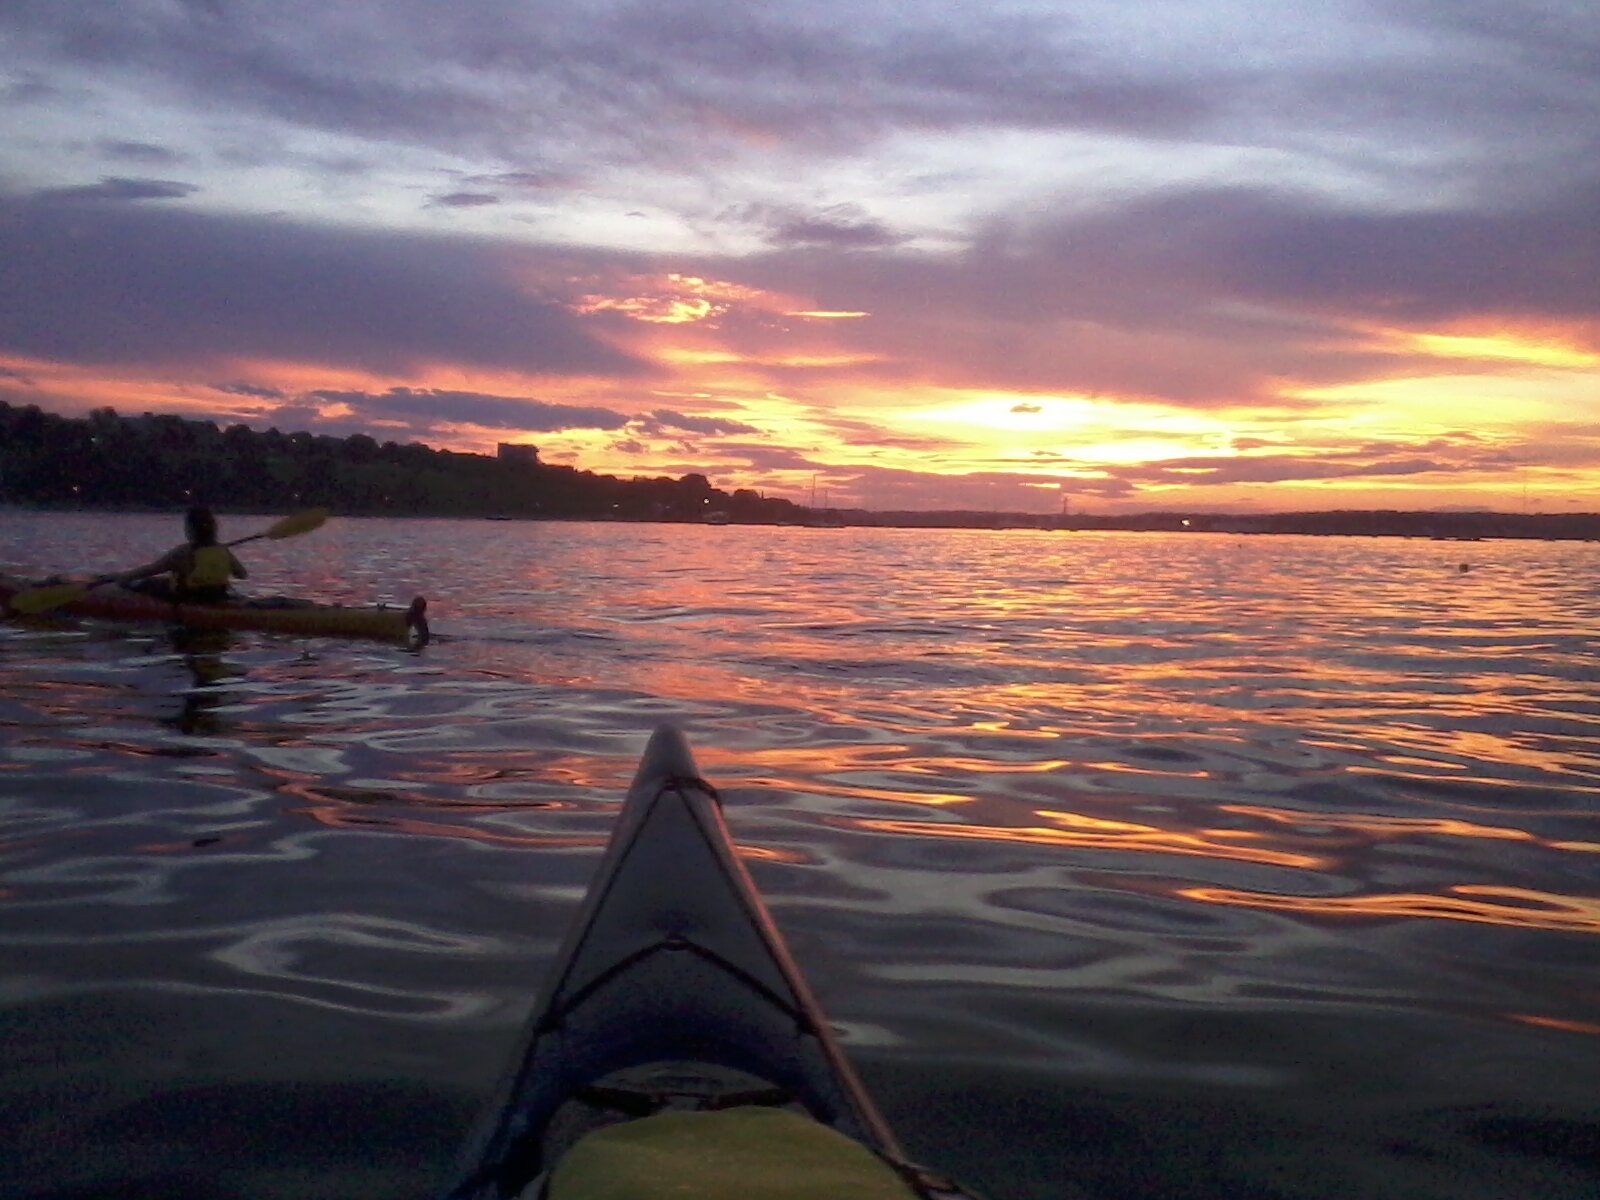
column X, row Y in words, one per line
column 296, row 523
column 43, row 599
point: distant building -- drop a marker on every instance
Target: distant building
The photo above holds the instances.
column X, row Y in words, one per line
column 517, row 452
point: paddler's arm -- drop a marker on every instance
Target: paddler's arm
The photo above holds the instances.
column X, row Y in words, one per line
column 235, row 567
column 160, row 566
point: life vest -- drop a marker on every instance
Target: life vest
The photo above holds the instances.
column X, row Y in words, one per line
column 209, row 568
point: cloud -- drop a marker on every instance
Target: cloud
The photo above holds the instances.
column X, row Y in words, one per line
column 1225, row 213
column 892, row 489
column 115, row 190
column 465, row 200
column 1538, row 262
column 439, row 406
column 700, row 83
column 842, row 226
column 764, row 457
column 522, row 180
column 1282, row 468
column 833, row 77
column 155, row 286
column 664, row 419
column 138, row 152
column 251, row 390
column 1202, row 297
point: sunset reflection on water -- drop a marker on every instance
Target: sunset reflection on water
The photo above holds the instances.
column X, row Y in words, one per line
column 1516, row 907
column 1091, row 834
column 1290, row 825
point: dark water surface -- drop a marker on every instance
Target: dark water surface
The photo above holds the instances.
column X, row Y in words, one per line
column 1261, row 868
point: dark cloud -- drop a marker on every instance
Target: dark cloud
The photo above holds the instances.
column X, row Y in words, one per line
column 764, row 457
column 527, row 181
column 114, row 190
column 1026, row 408
column 1210, row 298
column 465, row 200
column 1280, row 468
column 694, row 83
column 843, row 226
column 1444, row 457
column 138, row 152
column 856, row 431
column 251, row 390
column 892, row 489
column 438, row 406
column 371, row 83
column 664, row 419
column 846, row 79
column 631, row 81
column 1543, row 262
column 28, row 88
column 1554, row 39
column 148, row 286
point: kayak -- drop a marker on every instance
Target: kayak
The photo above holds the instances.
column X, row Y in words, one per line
column 277, row 616
column 676, row 1030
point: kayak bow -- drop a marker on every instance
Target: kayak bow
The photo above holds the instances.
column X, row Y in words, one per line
column 672, row 991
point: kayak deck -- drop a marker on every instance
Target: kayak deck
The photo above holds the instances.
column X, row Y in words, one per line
column 673, row 990
column 334, row 620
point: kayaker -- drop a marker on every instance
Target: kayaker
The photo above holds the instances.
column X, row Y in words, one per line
column 197, row 572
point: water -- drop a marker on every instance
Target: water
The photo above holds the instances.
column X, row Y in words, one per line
column 1172, row 866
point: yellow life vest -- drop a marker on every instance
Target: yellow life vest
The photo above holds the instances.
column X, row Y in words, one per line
column 208, row 567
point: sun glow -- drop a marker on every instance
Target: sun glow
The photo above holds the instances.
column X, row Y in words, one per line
column 1510, row 348
column 672, row 299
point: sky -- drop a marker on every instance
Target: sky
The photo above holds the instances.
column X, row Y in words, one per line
column 1012, row 255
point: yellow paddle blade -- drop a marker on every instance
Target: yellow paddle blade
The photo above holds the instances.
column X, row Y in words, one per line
column 296, row 523
column 43, row 599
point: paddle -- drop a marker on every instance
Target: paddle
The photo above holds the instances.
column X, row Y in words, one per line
column 43, row 599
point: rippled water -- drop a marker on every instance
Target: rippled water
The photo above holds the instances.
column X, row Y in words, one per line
column 1173, row 866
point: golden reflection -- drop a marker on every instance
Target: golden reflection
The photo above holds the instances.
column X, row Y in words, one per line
column 808, row 770
column 1094, row 834
column 1551, row 766
column 925, row 799
column 1011, row 729
column 771, row 854
column 1384, row 826
column 1556, row 1023
column 1122, row 768
column 1518, row 908
column 338, row 817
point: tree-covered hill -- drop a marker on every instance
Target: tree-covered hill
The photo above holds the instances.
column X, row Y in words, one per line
column 109, row 461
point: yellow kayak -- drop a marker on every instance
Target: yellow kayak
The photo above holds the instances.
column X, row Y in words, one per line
column 308, row 618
